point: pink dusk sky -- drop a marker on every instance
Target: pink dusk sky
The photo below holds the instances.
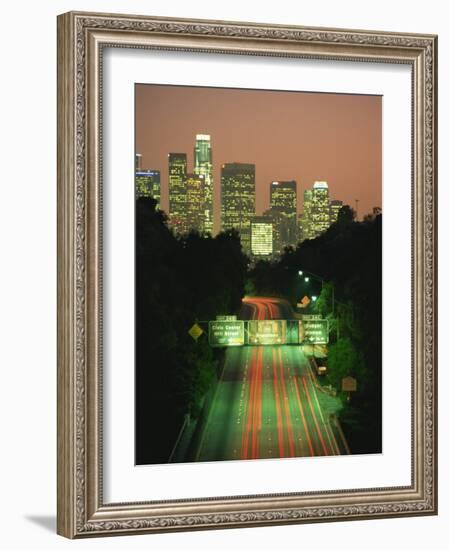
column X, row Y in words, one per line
column 298, row 136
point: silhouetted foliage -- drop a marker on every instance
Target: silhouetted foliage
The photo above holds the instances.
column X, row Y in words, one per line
column 179, row 281
column 346, row 215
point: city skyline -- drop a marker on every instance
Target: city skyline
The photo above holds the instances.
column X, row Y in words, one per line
column 190, row 203
column 346, row 153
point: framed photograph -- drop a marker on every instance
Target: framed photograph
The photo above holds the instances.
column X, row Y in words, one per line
column 246, row 274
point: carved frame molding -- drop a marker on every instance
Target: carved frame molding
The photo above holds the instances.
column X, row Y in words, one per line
column 81, row 39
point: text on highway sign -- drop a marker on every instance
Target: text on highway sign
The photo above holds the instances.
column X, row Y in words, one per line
column 226, row 333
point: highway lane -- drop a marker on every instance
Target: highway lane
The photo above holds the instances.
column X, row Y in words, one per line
column 266, row 404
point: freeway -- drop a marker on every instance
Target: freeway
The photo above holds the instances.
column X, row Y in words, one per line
column 266, row 404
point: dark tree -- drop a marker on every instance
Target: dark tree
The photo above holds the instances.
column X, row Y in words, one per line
column 179, row 282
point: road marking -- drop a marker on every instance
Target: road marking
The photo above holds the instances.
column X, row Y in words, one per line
column 255, row 407
column 320, row 435
column 278, row 409
column 286, row 406
column 306, row 429
column 212, row 408
column 332, row 440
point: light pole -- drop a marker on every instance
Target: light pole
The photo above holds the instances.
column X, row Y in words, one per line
column 308, row 274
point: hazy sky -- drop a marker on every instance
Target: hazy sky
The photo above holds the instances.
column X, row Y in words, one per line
column 287, row 135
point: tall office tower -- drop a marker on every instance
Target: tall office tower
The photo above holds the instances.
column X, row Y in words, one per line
column 334, row 209
column 306, row 217
column 283, row 196
column 261, row 237
column 320, row 208
column 283, row 199
column 138, row 162
column 238, row 200
column 195, row 197
column 177, row 169
column 148, row 184
column 317, row 212
column 277, row 218
column 203, row 166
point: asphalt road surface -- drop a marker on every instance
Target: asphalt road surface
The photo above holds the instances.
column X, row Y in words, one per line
column 266, row 404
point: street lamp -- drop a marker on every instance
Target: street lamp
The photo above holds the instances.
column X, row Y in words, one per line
column 307, row 279
column 314, row 298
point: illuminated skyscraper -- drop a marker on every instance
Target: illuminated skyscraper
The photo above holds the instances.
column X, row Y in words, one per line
column 203, row 166
column 320, row 208
column 195, row 195
column 334, row 209
column 138, row 162
column 306, row 217
column 177, row 169
column 148, row 184
column 283, row 199
column 283, row 196
column 262, row 237
column 277, row 218
column 317, row 211
column 238, row 199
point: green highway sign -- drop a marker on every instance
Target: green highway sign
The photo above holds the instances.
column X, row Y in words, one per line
column 269, row 332
column 226, row 333
column 313, row 331
column 265, row 332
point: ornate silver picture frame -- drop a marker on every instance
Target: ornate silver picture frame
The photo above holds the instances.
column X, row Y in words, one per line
column 83, row 510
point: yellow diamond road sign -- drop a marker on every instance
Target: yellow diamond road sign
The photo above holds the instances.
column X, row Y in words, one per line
column 304, row 302
column 196, row 331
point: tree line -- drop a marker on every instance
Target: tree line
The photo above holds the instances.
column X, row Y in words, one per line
column 180, row 281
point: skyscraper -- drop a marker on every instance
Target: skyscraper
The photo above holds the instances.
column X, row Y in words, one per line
column 238, row 200
column 276, row 217
column 261, row 237
column 306, row 217
column 177, row 169
column 334, row 209
column 320, row 207
column 283, row 196
column 203, row 166
column 195, row 197
column 283, row 199
column 318, row 212
column 148, row 184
